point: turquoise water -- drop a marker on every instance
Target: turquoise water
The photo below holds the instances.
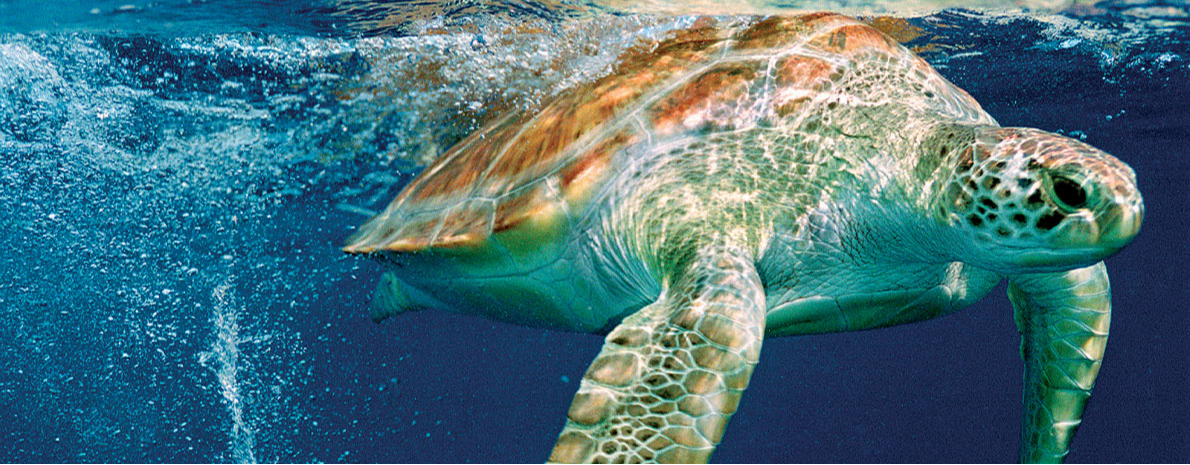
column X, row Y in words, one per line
column 178, row 176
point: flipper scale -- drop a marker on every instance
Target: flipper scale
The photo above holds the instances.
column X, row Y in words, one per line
column 1063, row 319
column 670, row 376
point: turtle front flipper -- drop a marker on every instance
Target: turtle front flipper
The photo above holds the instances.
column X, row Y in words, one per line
column 671, row 375
column 1063, row 319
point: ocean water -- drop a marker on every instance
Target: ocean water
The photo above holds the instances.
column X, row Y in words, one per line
column 176, row 177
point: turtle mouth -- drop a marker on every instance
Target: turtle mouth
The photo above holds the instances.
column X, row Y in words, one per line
column 1111, row 228
column 1046, row 259
column 1120, row 224
column 1082, row 239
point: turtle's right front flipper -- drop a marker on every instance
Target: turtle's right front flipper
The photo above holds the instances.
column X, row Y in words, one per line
column 1063, row 319
column 671, row 375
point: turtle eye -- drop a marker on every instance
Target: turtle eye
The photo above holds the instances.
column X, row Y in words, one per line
column 1069, row 194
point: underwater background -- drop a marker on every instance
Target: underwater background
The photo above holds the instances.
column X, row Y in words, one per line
column 176, row 178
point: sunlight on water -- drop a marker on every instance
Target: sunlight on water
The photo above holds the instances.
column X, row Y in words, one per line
column 223, row 360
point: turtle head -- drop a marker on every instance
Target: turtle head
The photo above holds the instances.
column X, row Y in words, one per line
column 1029, row 200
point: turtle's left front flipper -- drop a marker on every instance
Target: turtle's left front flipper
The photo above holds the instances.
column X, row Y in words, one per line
column 671, row 375
column 1063, row 319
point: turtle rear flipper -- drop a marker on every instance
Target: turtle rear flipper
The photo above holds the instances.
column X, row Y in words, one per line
column 393, row 297
column 1063, row 319
column 671, row 375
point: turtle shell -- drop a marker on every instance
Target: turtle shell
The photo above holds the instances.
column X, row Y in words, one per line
column 524, row 171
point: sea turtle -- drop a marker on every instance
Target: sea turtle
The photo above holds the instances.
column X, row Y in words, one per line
column 754, row 178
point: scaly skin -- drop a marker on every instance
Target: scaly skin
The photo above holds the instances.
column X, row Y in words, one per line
column 671, row 375
column 1063, row 319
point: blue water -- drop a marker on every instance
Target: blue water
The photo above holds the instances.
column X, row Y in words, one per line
column 177, row 176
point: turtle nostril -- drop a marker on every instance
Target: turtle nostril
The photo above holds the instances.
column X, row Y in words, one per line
column 1069, row 193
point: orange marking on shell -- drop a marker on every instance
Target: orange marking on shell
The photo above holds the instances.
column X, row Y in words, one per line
column 565, row 121
column 719, row 87
column 822, row 17
column 452, row 177
column 781, row 30
column 648, row 64
column 586, row 171
column 798, row 79
column 405, row 245
column 459, row 240
column 647, row 60
column 465, row 224
column 519, row 207
column 686, row 43
column 516, row 150
column 853, row 38
column 414, row 235
column 457, row 170
column 899, row 29
column 553, row 130
column 803, row 71
column 578, row 112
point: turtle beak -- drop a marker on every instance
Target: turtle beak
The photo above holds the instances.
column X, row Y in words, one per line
column 1119, row 223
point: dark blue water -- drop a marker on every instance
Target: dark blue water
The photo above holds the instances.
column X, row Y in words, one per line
column 177, row 177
